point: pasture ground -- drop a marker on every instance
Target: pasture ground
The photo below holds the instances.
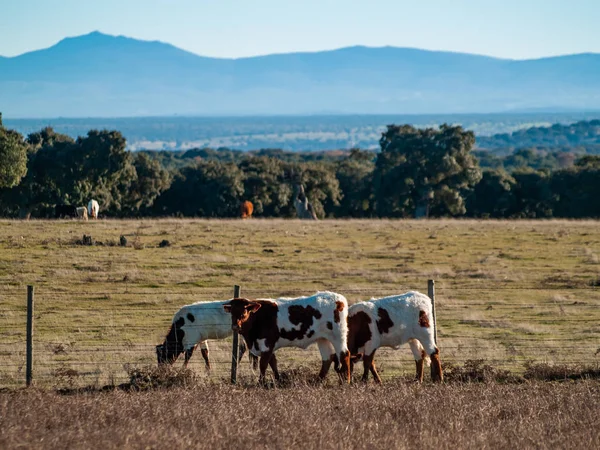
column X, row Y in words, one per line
column 508, row 292
column 396, row 415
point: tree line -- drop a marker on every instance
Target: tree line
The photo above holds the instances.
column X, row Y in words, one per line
column 417, row 172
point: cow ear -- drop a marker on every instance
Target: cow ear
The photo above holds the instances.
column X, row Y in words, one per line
column 253, row 307
column 227, row 308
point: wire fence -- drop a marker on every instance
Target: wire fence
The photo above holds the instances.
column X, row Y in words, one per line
column 82, row 337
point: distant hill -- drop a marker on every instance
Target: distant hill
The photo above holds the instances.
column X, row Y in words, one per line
column 584, row 135
column 99, row 75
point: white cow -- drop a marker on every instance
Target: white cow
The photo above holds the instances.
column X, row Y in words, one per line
column 93, row 209
column 193, row 324
column 82, row 212
column 391, row 322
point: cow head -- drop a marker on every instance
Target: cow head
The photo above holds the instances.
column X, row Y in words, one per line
column 241, row 310
column 172, row 346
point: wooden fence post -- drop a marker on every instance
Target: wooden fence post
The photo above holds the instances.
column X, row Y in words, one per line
column 431, row 293
column 29, row 367
column 235, row 348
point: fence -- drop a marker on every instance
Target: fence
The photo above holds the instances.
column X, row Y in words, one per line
column 78, row 340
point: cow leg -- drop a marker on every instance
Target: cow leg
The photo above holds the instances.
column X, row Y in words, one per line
column 273, row 364
column 325, row 365
column 205, row 352
column 419, row 355
column 188, row 355
column 242, row 350
column 420, row 364
column 373, row 369
column 265, row 358
column 436, row 367
column 327, row 357
column 367, row 364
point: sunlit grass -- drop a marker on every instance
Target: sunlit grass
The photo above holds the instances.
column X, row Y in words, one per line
column 507, row 291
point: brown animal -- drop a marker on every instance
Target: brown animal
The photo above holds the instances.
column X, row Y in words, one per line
column 268, row 325
column 391, row 322
column 247, row 209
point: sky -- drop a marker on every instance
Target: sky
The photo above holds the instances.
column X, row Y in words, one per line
column 517, row 29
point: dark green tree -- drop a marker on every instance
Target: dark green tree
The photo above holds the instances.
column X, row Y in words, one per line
column 493, row 196
column 208, row 189
column 533, row 195
column 577, row 189
column 266, row 186
column 321, row 186
column 424, row 171
column 149, row 182
column 355, row 176
column 13, row 157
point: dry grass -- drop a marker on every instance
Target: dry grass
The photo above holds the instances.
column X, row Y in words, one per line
column 397, row 415
column 508, row 292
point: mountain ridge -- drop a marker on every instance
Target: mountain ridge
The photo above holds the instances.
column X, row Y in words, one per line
column 97, row 75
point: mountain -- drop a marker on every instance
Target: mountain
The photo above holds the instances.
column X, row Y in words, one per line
column 99, row 75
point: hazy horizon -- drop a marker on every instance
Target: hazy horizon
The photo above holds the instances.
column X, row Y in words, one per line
column 509, row 30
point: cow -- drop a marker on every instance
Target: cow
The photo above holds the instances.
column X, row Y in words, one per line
column 62, row 210
column 270, row 324
column 246, row 209
column 193, row 324
column 82, row 212
column 391, row 322
column 93, row 209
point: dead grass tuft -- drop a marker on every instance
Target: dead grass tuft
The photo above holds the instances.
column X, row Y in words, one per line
column 558, row 372
column 477, row 370
column 164, row 376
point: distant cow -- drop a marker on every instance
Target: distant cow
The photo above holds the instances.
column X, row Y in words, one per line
column 93, row 209
column 82, row 212
column 193, row 324
column 268, row 324
column 62, row 210
column 391, row 322
column 247, row 208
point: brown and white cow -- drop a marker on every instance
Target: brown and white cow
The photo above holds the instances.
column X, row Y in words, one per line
column 269, row 324
column 391, row 322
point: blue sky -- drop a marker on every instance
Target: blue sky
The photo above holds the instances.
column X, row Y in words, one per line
column 232, row 28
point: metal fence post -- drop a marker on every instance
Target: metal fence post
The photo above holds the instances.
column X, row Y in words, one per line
column 431, row 293
column 235, row 348
column 29, row 367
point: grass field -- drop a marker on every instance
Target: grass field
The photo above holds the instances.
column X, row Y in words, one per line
column 506, row 291
column 393, row 416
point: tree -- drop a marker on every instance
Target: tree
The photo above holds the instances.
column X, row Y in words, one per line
column 209, row 189
column 321, row 187
column 493, row 196
column 265, row 185
column 13, row 157
column 424, row 171
column 533, row 196
column 576, row 190
column 355, row 176
column 149, row 182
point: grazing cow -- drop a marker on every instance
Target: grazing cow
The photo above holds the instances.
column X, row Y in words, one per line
column 93, row 209
column 193, row 324
column 62, row 210
column 268, row 324
column 247, row 209
column 82, row 212
column 391, row 322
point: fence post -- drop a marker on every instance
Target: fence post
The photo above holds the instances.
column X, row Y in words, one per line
column 29, row 367
column 431, row 293
column 235, row 348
